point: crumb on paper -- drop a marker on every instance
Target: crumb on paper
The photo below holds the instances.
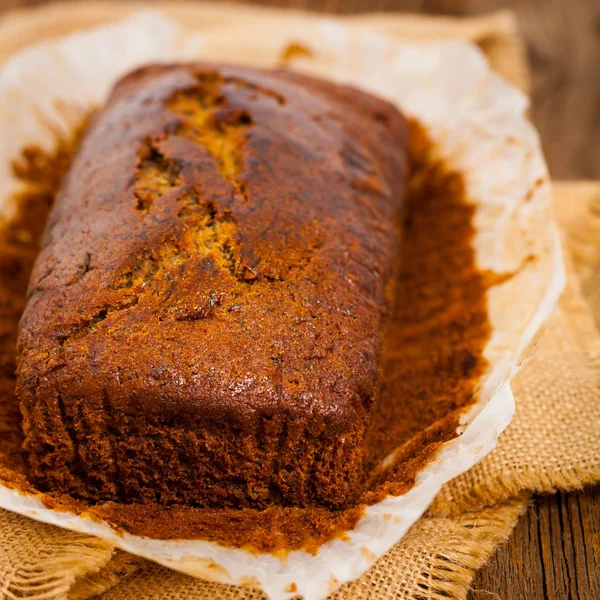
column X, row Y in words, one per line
column 294, row 50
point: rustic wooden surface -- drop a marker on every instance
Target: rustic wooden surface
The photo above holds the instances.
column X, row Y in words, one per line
column 554, row 552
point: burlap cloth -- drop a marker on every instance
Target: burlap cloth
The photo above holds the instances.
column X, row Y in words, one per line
column 552, row 443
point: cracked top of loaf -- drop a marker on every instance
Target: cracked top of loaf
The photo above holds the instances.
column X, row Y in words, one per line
column 222, row 245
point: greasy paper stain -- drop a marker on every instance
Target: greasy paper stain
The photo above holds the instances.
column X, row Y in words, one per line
column 431, row 363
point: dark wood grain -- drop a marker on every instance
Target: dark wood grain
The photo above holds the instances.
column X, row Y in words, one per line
column 554, row 553
column 509, row 574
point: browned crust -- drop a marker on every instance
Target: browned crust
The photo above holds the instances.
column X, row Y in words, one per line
column 203, row 323
column 406, row 416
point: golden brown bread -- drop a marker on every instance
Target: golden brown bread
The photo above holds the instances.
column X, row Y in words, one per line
column 204, row 318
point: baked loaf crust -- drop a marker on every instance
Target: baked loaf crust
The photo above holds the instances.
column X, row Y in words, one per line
column 204, row 319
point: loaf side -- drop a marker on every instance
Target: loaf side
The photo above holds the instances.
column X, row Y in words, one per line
column 204, row 320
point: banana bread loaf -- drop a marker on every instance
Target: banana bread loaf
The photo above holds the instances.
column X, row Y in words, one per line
column 204, row 319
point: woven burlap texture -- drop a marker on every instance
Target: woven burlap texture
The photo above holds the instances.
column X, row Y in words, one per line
column 557, row 394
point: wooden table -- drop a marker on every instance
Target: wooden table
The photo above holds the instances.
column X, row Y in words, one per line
column 554, row 552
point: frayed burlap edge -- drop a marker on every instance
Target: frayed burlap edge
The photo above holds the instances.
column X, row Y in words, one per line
column 46, row 571
column 113, row 572
column 446, row 554
column 436, row 560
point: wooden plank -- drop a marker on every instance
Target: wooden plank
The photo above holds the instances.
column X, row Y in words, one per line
column 516, row 569
column 553, row 553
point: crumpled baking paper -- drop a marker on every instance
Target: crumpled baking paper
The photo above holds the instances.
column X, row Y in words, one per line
column 479, row 124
